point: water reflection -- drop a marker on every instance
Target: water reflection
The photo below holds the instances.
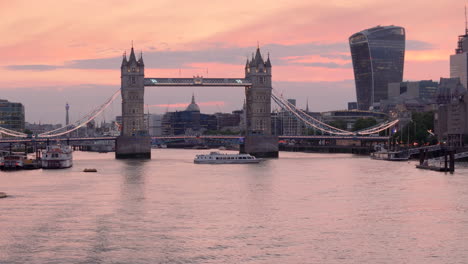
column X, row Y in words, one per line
column 133, row 176
column 301, row 208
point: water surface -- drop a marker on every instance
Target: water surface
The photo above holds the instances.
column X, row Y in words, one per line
column 300, row 208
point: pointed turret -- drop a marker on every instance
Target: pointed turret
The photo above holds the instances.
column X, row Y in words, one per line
column 140, row 60
column 247, row 63
column 268, row 63
column 307, row 105
column 252, row 61
column 124, row 60
column 132, row 56
column 258, row 57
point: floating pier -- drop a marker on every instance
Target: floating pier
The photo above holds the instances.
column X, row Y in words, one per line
column 448, row 159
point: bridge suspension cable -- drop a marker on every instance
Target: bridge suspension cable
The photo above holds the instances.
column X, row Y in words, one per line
column 308, row 120
column 378, row 128
column 83, row 121
column 312, row 122
column 12, row 133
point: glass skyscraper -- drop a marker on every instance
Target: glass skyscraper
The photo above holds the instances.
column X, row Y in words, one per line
column 11, row 115
column 378, row 56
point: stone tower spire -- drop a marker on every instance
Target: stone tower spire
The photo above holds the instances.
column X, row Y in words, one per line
column 134, row 141
column 124, row 60
column 259, row 140
column 132, row 85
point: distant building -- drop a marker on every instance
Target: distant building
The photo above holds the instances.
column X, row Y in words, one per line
column 459, row 60
column 292, row 101
column 449, row 90
column 350, row 117
column 41, row 128
column 188, row 122
column 451, row 122
column 229, row 121
column 155, row 125
column 12, row 115
column 417, row 96
column 426, row 90
column 352, row 106
column 284, row 123
column 378, row 58
column 451, row 118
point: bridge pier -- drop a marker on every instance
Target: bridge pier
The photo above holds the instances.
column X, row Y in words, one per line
column 133, row 147
column 260, row 146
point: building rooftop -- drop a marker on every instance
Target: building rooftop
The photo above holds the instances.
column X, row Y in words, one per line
column 193, row 107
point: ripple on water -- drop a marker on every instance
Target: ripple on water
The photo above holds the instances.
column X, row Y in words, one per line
column 300, row 208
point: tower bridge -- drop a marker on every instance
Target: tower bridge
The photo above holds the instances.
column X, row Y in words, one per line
column 134, row 141
column 197, row 81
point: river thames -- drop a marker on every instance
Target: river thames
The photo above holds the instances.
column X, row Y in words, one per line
column 300, row 208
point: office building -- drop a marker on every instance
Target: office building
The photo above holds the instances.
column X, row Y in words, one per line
column 378, row 57
column 425, row 90
column 352, row 106
column 12, row 115
column 459, row 60
column 450, row 89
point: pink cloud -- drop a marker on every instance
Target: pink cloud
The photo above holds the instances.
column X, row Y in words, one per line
column 46, row 32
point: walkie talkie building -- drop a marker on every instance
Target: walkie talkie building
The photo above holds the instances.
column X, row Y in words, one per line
column 378, row 56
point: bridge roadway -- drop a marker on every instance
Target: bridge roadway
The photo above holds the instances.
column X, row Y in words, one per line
column 27, row 140
column 197, row 81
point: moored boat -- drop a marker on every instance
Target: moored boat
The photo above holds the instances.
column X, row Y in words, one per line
column 32, row 164
column 57, row 157
column 13, row 161
column 219, row 158
column 390, row 155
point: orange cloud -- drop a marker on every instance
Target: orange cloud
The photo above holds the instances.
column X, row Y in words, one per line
column 427, row 55
column 315, row 58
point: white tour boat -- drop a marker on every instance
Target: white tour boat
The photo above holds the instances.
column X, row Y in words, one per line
column 219, row 158
column 57, row 157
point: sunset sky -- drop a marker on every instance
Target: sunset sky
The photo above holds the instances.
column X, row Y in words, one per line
column 53, row 52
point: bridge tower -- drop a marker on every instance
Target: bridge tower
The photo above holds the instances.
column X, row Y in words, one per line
column 134, row 141
column 259, row 140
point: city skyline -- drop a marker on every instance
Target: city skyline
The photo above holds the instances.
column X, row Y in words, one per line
column 66, row 52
